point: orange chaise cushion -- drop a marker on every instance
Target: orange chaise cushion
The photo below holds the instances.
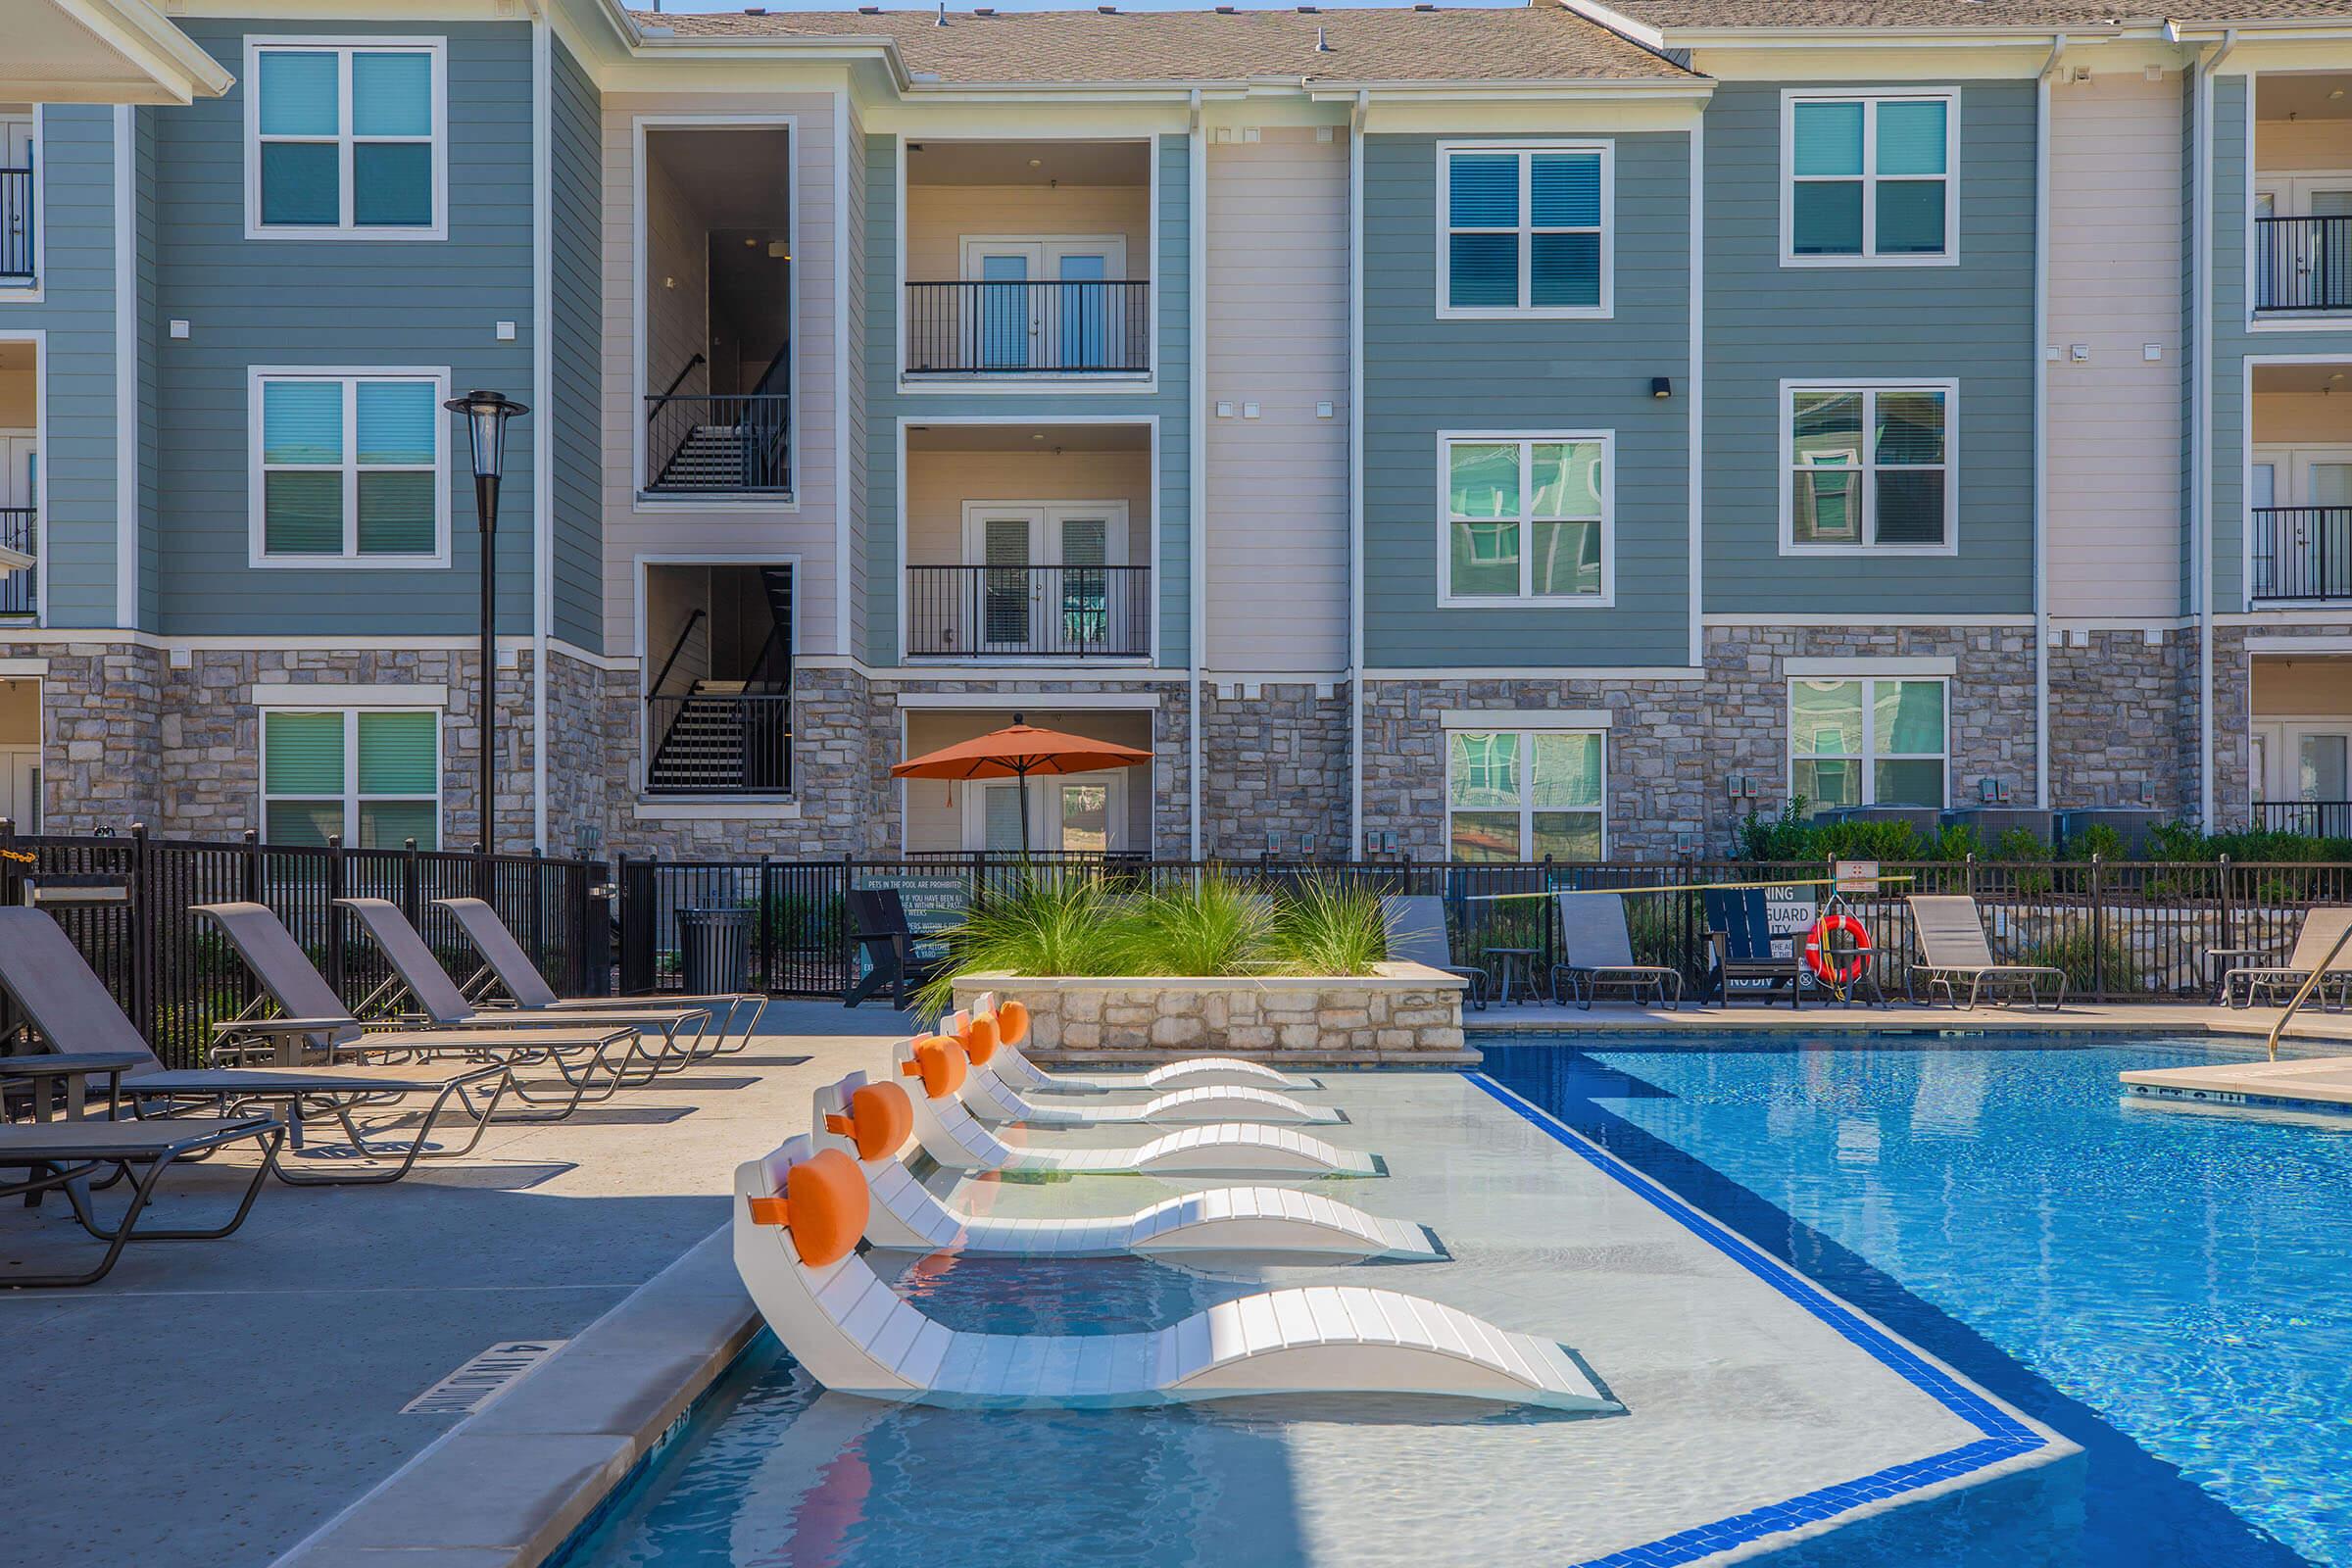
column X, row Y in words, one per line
column 980, row 1038
column 940, row 1063
column 880, row 1118
column 825, row 1203
column 1012, row 1022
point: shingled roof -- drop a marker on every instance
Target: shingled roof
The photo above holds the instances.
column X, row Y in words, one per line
column 1538, row 43
column 1700, row 16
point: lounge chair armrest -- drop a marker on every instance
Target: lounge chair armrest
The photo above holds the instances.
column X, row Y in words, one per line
column 2244, row 953
column 279, row 1027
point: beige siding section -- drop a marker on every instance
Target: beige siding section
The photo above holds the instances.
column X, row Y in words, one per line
column 2115, row 285
column 2314, row 146
column 2302, row 687
column 940, row 483
column 939, row 218
column 934, row 814
column 749, row 535
column 2303, row 419
column 1277, row 535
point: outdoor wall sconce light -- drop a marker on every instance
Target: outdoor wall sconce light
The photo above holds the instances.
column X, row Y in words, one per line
column 1661, row 386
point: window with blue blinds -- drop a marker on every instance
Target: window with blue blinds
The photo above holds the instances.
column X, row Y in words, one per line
column 1526, row 230
column 1869, row 177
column 371, row 777
column 347, row 138
column 349, row 468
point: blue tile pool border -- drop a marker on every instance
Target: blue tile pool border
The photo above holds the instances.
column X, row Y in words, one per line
column 2003, row 1437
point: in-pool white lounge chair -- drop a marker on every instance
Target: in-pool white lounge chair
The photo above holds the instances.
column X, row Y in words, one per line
column 952, row 1136
column 1028, row 1077
column 997, row 1102
column 873, row 1125
column 798, row 1213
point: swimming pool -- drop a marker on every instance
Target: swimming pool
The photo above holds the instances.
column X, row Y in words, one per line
column 2160, row 1287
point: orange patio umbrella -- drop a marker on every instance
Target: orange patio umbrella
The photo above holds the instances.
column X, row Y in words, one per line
column 1015, row 753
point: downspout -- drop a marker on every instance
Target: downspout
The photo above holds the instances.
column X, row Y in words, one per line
column 1355, row 472
column 2041, row 423
column 1197, row 457
column 543, row 439
column 2200, row 514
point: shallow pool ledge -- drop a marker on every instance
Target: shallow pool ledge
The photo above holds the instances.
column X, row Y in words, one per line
column 506, row 1487
column 1402, row 1014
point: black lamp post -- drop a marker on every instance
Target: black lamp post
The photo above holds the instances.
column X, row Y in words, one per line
column 486, row 416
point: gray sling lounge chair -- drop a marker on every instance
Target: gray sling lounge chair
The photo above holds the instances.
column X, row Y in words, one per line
column 434, row 995
column 1596, row 949
column 2322, row 930
column 1952, row 949
column 62, row 1153
column 315, row 1017
column 507, row 968
column 73, row 1010
column 1416, row 927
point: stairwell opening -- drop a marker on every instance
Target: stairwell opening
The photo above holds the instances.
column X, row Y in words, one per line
column 718, row 690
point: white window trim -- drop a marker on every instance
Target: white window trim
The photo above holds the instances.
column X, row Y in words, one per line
column 1870, row 722
column 1527, row 736
column 343, row 48
column 352, row 797
column 1867, row 493
column 1791, row 97
column 1601, row 312
column 1606, row 599
column 349, row 376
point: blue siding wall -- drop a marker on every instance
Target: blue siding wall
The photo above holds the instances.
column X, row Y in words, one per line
column 341, row 302
column 77, row 314
column 1423, row 375
column 1170, row 401
column 1974, row 322
column 576, row 165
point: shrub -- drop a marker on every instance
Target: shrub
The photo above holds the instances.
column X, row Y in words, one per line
column 1206, row 925
column 1330, row 930
column 1791, row 837
column 2079, row 956
column 2177, row 841
column 2102, row 840
column 1062, row 925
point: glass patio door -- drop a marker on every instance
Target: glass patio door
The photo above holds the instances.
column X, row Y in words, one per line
column 1045, row 304
column 1006, row 544
column 1082, row 813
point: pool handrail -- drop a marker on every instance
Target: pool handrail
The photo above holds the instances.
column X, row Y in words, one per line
column 2311, row 983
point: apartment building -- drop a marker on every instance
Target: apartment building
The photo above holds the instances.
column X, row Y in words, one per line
column 1487, row 433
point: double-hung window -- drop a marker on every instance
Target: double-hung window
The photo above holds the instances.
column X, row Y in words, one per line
column 1526, row 230
column 345, row 139
column 1868, row 467
column 348, row 469
column 1527, row 519
column 1524, row 795
column 1866, row 741
column 1868, row 176
column 371, row 776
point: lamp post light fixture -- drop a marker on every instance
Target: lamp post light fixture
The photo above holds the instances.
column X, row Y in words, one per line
column 486, row 416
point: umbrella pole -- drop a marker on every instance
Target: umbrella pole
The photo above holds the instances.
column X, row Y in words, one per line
column 1023, row 779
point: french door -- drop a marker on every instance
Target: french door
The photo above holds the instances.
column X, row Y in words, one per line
column 1046, row 305
column 2300, row 501
column 1043, row 589
column 1077, row 813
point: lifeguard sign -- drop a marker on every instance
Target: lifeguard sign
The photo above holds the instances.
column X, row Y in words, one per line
column 1762, row 927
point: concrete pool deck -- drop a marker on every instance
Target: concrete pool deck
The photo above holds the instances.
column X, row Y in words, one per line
column 226, row 1402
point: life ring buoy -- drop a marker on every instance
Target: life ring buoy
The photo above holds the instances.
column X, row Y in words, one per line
column 1822, row 958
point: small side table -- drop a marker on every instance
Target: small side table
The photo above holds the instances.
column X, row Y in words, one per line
column 1519, row 960
column 41, row 1069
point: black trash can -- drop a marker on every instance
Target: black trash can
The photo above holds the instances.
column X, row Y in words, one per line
column 714, row 950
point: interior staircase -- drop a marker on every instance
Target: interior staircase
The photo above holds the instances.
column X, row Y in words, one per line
column 726, row 737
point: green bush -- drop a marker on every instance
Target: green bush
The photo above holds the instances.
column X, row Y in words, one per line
column 2177, row 841
column 2100, row 839
column 1207, row 925
column 1791, row 837
column 1330, row 930
column 2078, row 955
column 1061, row 926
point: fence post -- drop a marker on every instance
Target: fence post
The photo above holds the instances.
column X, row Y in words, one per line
column 8, row 874
column 2099, row 936
column 2228, row 938
column 248, row 872
column 1972, row 874
column 539, row 908
column 765, row 911
column 412, row 884
column 334, row 916
column 1683, row 874
column 483, row 887
column 142, row 934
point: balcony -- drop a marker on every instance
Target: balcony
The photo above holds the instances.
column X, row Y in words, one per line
column 1029, row 612
column 2301, row 554
column 1057, row 327
column 18, row 529
column 16, row 222
column 2303, row 266
column 2320, row 820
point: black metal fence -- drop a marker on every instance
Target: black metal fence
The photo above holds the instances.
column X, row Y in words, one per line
column 1037, row 326
column 2301, row 552
column 2303, row 263
column 1030, row 612
column 128, row 903
column 19, row 532
column 2134, row 931
column 16, row 220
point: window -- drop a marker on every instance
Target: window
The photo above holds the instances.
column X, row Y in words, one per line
column 1527, row 519
column 348, row 468
column 345, row 139
column 1524, row 796
column 1869, row 177
column 1869, row 467
column 1525, row 230
column 1866, row 741
column 372, row 776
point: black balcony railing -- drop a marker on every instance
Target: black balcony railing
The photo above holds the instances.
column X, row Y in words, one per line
column 2301, row 552
column 1048, row 327
column 1028, row 611
column 15, row 220
column 17, row 535
column 713, row 743
column 2320, row 820
column 2303, row 263
column 720, row 444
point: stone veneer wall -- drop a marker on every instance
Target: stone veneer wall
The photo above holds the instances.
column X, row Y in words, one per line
column 101, row 726
column 1673, row 742
column 1275, row 764
column 1405, row 1013
column 2117, row 707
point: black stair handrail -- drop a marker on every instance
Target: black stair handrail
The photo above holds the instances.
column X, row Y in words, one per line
column 670, row 391
column 684, row 632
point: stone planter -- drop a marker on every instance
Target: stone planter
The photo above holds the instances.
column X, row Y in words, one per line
column 1405, row 1013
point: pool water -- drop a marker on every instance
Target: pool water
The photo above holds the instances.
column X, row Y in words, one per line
column 2170, row 1288
column 2166, row 1289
